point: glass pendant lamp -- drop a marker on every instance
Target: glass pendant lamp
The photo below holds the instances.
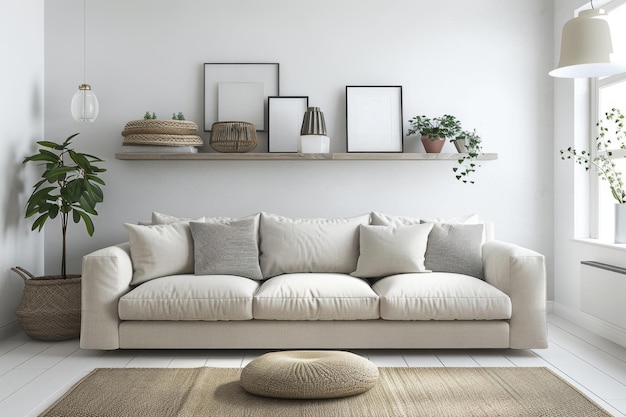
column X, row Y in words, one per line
column 84, row 105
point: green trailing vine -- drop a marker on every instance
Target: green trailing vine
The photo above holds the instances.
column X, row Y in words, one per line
column 609, row 137
column 467, row 162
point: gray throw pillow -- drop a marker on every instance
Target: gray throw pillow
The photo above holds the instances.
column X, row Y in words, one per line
column 226, row 249
column 455, row 248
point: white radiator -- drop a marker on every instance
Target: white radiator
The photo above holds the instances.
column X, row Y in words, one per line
column 603, row 292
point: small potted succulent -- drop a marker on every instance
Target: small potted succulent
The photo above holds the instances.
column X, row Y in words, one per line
column 469, row 145
column 434, row 132
column 69, row 188
column 609, row 138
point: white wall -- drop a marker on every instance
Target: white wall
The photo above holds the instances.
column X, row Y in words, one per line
column 571, row 116
column 484, row 61
column 21, row 124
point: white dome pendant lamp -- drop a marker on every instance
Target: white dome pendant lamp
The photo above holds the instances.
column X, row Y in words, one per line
column 587, row 47
column 84, row 104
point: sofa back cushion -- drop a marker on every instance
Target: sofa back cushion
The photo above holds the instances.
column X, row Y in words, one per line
column 382, row 219
column 309, row 245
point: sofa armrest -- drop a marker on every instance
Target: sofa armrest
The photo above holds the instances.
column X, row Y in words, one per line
column 521, row 274
column 106, row 276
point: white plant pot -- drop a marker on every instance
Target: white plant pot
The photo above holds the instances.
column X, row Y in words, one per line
column 620, row 223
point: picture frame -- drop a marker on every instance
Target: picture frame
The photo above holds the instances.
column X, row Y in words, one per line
column 285, row 115
column 239, row 91
column 374, row 119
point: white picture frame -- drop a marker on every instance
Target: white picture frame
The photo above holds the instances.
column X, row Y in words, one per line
column 239, row 73
column 374, row 119
column 285, row 115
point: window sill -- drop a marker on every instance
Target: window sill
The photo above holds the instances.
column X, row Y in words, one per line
column 601, row 243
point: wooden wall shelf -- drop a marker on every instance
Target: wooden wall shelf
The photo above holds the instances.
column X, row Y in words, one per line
column 206, row 156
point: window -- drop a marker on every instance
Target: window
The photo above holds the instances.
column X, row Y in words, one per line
column 608, row 93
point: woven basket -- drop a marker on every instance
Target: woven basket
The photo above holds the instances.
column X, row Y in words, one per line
column 50, row 307
column 164, row 127
column 233, row 137
column 163, row 140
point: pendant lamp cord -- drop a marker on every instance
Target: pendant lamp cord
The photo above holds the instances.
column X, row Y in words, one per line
column 84, row 41
column 592, row 4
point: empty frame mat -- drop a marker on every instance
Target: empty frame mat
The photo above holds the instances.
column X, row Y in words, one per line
column 374, row 118
column 238, row 92
column 285, row 122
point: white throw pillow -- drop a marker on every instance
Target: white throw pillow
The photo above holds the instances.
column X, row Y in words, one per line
column 387, row 250
column 309, row 245
column 160, row 250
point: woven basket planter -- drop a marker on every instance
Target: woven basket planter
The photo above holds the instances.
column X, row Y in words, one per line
column 163, row 127
column 50, row 307
column 233, row 137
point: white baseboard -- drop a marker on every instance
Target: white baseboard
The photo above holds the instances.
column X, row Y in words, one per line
column 10, row 329
column 600, row 327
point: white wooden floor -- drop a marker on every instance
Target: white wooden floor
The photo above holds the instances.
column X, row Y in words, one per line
column 33, row 374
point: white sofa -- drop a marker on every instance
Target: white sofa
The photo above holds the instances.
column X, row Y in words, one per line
column 374, row 281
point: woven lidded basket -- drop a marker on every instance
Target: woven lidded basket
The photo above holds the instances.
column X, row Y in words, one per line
column 233, row 137
column 163, row 127
column 50, row 307
column 158, row 139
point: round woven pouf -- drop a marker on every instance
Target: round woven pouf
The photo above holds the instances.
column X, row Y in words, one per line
column 309, row 375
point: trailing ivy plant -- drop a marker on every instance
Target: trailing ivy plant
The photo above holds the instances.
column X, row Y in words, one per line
column 446, row 126
column 467, row 161
column 609, row 137
column 70, row 185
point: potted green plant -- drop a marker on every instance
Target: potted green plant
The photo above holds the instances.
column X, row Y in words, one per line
column 434, row 132
column 469, row 145
column 69, row 188
column 609, row 138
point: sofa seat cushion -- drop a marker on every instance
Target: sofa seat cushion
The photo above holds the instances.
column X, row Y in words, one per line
column 190, row 297
column 315, row 296
column 440, row 296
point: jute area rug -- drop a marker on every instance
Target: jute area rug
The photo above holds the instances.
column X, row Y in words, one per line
column 400, row 392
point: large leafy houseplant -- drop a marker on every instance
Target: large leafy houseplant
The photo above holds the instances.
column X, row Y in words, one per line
column 70, row 186
column 611, row 135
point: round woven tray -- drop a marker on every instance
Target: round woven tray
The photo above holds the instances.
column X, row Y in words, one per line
column 163, row 140
column 164, row 127
column 233, row 137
